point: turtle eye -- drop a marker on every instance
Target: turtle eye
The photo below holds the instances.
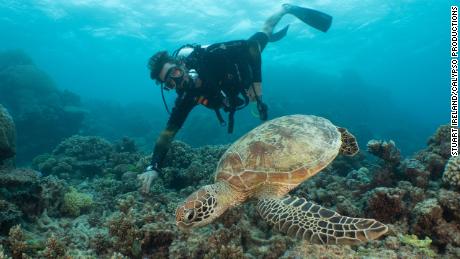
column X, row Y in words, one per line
column 189, row 215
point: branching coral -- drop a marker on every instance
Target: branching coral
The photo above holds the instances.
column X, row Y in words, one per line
column 224, row 241
column 55, row 249
column 17, row 242
column 100, row 242
column 2, row 253
column 75, row 202
column 306, row 250
column 422, row 244
column 156, row 241
column 127, row 234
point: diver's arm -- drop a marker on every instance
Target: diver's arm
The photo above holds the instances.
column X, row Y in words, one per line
column 162, row 146
column 178, row 116
column 175, row 122
column 255, row 90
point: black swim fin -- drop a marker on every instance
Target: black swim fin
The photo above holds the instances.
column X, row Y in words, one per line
column 315, row 19
column 279, row 34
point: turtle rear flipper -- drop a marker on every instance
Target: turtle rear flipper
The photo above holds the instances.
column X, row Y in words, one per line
column 305, row 220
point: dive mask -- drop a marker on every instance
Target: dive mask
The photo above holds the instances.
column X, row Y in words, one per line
column 174, row 77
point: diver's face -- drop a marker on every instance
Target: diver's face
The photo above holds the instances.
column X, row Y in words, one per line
column 173, row 76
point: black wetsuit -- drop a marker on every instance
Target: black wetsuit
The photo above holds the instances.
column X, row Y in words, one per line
column 225, row 69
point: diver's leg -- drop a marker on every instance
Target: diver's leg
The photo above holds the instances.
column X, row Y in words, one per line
column 316, row 19
column 272, row 21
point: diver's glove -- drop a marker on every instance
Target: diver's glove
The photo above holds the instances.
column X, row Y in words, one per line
column 147, row 177
column 263, row 110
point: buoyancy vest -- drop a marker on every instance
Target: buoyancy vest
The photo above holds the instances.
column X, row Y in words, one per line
column 225, row 73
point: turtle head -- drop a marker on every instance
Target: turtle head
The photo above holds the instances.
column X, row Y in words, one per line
column 203, row 206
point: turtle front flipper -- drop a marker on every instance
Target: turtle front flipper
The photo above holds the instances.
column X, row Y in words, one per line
column 349, row 145
column 306, row 220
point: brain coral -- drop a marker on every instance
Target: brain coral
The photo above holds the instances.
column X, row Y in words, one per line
column 451, row 174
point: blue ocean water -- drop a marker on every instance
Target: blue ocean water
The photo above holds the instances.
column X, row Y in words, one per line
column 382, row 70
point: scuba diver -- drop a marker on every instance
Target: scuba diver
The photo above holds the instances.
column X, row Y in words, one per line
column 223, row 76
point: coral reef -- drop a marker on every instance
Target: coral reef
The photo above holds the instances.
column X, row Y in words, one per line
column 385, row 150
column 36, row 103
column 125, row 228
column 415, row 171
column 2, row 254
column 186, row 166
column 24, row 195
column 423, row 245
column 81, row 156
column 52, row 191
column 451, row 175
column 439, row 143
column 435, row 156
column 9, row 214
column 75, row 202
column 198, row 163
column 7, row 136
column 386, row 204
column 54, row 248
column 449, row 201
column 21, row 187
column 428, row 214
column 17, row 242
column 87, row 202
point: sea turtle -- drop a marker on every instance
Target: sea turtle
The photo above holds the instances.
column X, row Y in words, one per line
column 268, row 162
